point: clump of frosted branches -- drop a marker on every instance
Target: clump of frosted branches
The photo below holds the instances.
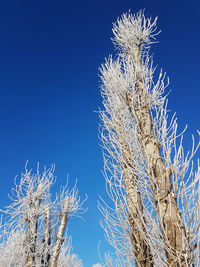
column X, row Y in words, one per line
column 12, row 248
column 131, row 31
column 137, row 135
column 33, row 230
column 67, row 258
column 31, row 196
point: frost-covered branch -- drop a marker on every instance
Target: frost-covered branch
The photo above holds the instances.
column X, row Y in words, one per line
column 33, row 232
column 154, row 219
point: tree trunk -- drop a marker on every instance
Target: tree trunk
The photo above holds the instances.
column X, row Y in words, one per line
column 136, row 218
column 173, row 231
column 60, row 234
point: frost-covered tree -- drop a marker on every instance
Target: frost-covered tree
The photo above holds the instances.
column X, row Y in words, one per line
column 33, row 231
column 154, row 216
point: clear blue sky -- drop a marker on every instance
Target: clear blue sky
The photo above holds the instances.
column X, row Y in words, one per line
column 50, row 52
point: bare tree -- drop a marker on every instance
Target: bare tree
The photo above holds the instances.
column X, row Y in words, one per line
column 33, row 233
column 154, row 216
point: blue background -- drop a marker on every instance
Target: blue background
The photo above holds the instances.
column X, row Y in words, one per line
column 50, row 52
